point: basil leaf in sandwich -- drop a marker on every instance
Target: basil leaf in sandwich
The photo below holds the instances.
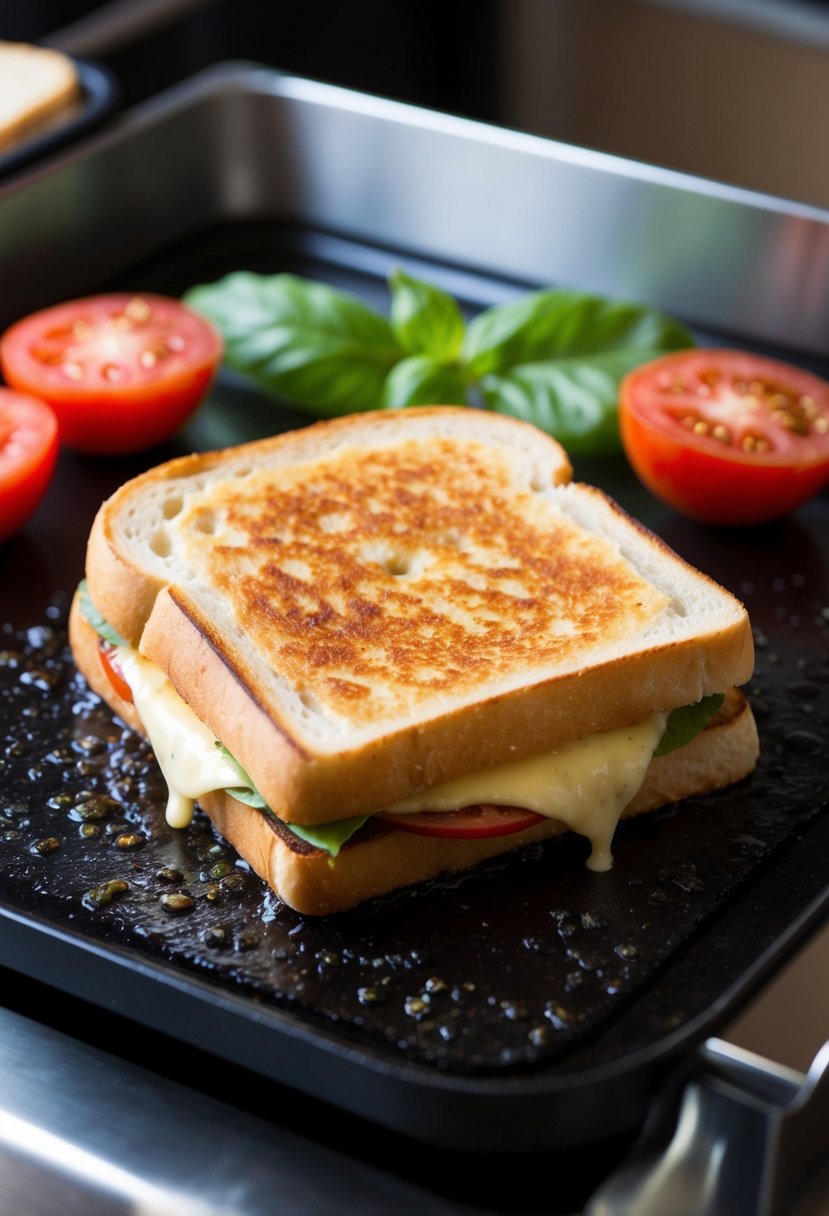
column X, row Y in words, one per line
column 94, row 618
column 330, row 837
column 688, row 721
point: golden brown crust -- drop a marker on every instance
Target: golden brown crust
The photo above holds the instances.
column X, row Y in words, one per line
column 309, row 782
column 41, row 82
column 378, row 774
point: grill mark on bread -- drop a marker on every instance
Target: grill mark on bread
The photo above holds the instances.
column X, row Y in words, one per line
column 219, row 647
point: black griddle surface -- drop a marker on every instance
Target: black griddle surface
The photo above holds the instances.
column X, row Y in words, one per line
column 532, row 967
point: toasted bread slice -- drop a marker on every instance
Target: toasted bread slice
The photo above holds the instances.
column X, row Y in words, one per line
column 35, row 84
column 371, row 606
column 381, row 859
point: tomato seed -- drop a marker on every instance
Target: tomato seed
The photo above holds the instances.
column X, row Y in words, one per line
column 722, row 433
column 138, row 311
column 700, row 428
column 72, row 371
column 148, row 358
column 175, row 343
column 113, row 373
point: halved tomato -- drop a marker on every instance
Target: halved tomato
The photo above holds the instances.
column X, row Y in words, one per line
column 28, row 451
column 725, row 436
column 112, row 670
column 122, row 372
column 469, row 823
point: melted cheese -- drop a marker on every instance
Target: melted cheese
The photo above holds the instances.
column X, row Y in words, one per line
column 585, row 785
column 184, row 747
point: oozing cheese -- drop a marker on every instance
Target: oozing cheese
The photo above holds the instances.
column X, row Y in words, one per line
column 184, row 747
column 585, row 785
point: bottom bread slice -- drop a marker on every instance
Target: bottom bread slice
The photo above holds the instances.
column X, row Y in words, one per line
column 380, row 859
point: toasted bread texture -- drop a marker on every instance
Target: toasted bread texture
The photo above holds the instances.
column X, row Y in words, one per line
column 367, row 607
column 382, row 859
column 35, row 84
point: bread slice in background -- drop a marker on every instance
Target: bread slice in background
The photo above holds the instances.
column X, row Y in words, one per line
column 370, row 606
column 36, row 83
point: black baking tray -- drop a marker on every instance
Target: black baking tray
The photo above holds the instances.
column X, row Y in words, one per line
column 530, row 1005
column 97, row 99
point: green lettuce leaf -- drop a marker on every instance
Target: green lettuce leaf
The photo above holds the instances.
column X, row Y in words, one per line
column 685, row 723
column 93, row 617
column 327, row 836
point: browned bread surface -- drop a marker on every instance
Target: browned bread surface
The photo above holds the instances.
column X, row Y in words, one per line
column 371, row 606
column 385, row 859
column 35, row 84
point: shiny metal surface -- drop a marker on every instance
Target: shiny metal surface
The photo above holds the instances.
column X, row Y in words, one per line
column 85, row 1134
column 743, row 1140
column 495, row 200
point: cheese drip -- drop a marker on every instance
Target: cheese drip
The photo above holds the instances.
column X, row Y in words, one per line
column 184, row 747
column 585, row 785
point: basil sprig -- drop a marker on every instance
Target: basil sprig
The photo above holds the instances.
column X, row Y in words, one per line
column 554, row 358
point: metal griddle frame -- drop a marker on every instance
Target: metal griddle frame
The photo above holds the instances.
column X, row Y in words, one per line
column 241, row 143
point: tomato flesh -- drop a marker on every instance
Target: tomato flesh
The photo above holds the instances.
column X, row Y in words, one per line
column 122, row 372
column 469, row 823
column 727, row 437
column 28, row 451
column 112, row 670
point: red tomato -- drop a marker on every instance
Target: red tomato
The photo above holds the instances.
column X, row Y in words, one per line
column 469, row 823
column 28, row 450
column 726, row 437
column 121, row 372
column 112, row 670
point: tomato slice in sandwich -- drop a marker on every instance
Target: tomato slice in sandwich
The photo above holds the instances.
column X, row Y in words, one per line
column 112, row 670
column 468, row 823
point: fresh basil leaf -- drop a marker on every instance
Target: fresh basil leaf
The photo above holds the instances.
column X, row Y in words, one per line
column 250, row 797
column 685, row 723
column 328, row 836
column 245, row 791
column 419, row 380
column 574, row 400
column 303, row 341
column 93, row 617
column 554, row 324
column 425, row 320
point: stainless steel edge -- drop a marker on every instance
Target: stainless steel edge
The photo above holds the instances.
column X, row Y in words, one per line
column 246, row 143
column 84, row 1133
column 744, row 1137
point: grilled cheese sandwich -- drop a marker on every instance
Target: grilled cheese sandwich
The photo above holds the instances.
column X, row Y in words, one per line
column 396, row 614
